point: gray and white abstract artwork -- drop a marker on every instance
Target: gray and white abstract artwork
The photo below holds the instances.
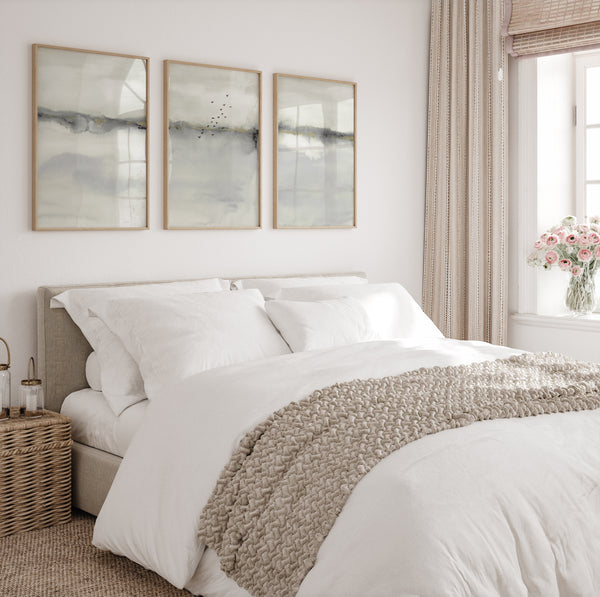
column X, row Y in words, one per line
column 91, row 127
column 212, row 161
column 315, row 153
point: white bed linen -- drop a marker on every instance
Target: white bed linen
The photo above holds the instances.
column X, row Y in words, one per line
column 392, row 311
column 173, row 337
column 311, row 325
column 92, row 372
column 95, row 424
column 463, row 512
column 269, row 287
column 121, row 381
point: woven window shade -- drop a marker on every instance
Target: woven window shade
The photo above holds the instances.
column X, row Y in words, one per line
column 535, row 27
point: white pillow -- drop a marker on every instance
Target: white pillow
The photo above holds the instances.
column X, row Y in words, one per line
column 309, row 325
column 92, row 372
column 120, row 376
column 392, row 312
column 271, row 286
column 174, row 337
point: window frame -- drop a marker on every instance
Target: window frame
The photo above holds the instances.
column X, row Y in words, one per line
column 524, row 164
column 525, row 169
column 583, row 61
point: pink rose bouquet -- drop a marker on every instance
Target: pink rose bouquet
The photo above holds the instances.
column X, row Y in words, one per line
column 574, row 248
column 569, row 245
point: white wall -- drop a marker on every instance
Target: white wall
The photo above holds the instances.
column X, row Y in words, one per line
column 381, row 44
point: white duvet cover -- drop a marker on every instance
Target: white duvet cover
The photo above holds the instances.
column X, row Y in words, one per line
column 506, row 507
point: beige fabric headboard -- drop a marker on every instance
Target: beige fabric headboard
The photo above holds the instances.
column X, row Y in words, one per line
column 62, row 348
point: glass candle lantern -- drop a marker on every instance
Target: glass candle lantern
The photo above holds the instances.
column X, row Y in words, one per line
column 5, row 385
column 31, row 394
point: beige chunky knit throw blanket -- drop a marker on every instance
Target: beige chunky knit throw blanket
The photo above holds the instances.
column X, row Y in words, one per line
column 288, row 480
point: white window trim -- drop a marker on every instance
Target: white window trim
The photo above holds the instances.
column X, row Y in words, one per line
column 527, row 182
column 582, row 62
column 581, row 323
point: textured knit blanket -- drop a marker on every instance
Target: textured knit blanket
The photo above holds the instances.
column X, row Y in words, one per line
column 290, row 477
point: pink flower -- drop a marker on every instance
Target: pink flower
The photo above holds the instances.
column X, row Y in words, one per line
column 565, row 264
column 576, row 271
column 538, row 244
column 544, row 237
column 594, row 238
column 597, row 252
column 584, row 240
column 584, row 255
column 552, row 256
column 584, row 228
column 571, row 239
column 552, row 240
column 562, row 234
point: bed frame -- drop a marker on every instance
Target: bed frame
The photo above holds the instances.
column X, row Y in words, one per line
column 62, row 353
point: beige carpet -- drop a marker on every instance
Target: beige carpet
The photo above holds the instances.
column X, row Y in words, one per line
column 60, row 561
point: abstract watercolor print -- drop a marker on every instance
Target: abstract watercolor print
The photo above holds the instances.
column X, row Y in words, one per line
column 314, row 153
column 90, row 140
column 212, row 149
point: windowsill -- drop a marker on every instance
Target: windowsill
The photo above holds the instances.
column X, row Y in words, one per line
column 588, row 323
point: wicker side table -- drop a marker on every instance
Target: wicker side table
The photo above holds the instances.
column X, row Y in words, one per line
column 35, row 473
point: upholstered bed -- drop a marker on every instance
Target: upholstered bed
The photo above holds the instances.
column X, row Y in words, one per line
column 328, row 440
column 62, row 354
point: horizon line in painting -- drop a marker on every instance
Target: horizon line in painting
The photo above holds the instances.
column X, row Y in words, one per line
column 212, row 148
column 314, row 152
column 90, row 140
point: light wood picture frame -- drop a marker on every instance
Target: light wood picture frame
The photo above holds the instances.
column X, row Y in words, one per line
column 212, row 147
column 314, row 152
column 90, row 139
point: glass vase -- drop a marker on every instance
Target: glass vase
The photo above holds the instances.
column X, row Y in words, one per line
column 581, row 294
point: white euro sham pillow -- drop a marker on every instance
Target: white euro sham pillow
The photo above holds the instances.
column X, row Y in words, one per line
column 392, row 312
column 120, row 376
column 92, row 372
column 269, row 287
column 311, row 325
column 174, row 337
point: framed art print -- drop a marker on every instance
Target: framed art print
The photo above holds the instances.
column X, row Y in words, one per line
column 90, row 140
column 314, row 153
column 212, row 147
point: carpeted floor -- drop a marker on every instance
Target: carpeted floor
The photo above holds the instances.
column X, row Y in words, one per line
column 60, row 561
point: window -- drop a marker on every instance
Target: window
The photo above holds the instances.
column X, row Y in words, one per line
column 557, row 162
column 587, row 116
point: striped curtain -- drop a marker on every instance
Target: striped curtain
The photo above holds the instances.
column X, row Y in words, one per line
column 464, row 274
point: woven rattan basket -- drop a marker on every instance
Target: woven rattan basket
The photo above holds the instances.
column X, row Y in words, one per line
column 35, row 473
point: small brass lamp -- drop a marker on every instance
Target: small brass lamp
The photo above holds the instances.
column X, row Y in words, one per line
column 5, row 385
column 31, row 394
